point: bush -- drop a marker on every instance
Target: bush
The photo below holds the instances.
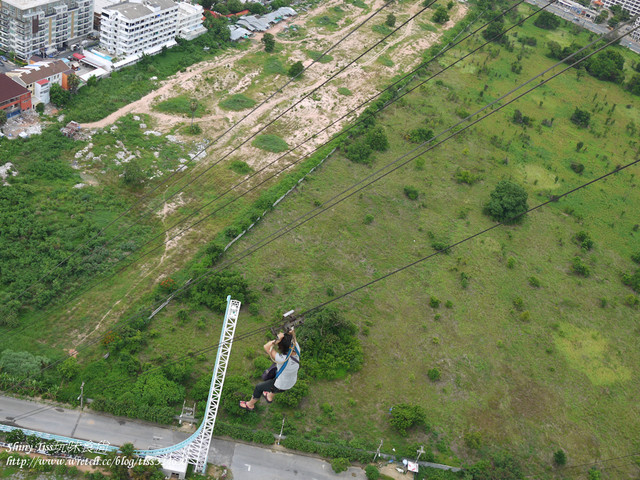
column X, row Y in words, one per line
column 237, row 102
column 411, row 192
column 292, row 397
column 340, row 465
column 434, row 302
column 368, row 219
column 434, row 374
column 534, row 282
column 577, row 167
column 465, row 176
column 560, row 458
column 632, row 281
column 420, row 135
column 584, row 240
column 296, row 70
column 240, row 167
column 405, row 416
column 636, row 257
column 547, row 20
column 358, row 152
column 581, row 118
column 372, row 472
column 579, row 267
column 441, row 15
column 332, row 348
column 40, row 108
column 508, row 202
column 377, row 139
column 212, row 292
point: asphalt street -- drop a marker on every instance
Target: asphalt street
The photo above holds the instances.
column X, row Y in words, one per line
column 247, row 462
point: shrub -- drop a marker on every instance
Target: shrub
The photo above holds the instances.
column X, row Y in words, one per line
column 577, row 167
column 420, row 135
column 632, row 281
column 441, row 15
column 372, row 472
column 636, row 257
column 368, row 219
column 511, row 262
column 411, row 192
column 448, row 304
column 508, row 202
column 344, row 91
column 376, row 138
column 581, row 118
column 518, row 303
column 340, row 465
column 560, row 458
column 441, row 247
column 464, row 176
column 292, row 397
column 434, row 374
column 434, row 302
column 547, row 20
column 405, row 416
column 473, row 440
column 213, row 291
column 296, row 70
column 579, row 267
column 584, row 240
column 534, row 282
column 359, row 152
column 240, row 167
column 40, row 108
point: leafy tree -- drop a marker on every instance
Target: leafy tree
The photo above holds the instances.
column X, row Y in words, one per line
column 39, row 108
column 405, row 416
column 494, row 31
column 555, row 50
column 440, row 15
column 213, row 291
column 547, row 20
column 607, row 65
column 296, row 69
column 58, row 96
column 581, row 118
column 391, row 20
column 73, row 82
column 3, row 118
column 16, row 436
column 155, row 389
column 235, row 6
column 330, row 345
column 92, row 82
column 359, row 151
column 508, row 202
column 69, row 368
column 601, row 17
column 256, row 8
column 377, row 139
column 420, row 135
column 632, row 281
column 269, row 42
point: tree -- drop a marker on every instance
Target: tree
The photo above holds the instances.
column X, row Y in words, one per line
column 296, row 69
column 73, row 82
column 559, row 457
column 581, row 118
column 441, row 15
column 3, row 118
column 92, row 81
column 547, row 20
column 40, row 108
column 555, row 50
column 494, row 31
column 376, row 138
column 256, row 8
column 607, row 65
column 235, row 6
column 508, row 202
column 269, row 42
column 391, row 20
column 601, row 17
column 633, row 86
column 58, row 96
column 21, row 363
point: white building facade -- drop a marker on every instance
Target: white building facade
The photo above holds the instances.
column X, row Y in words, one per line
column 38, row 27
column 633, row 6
column 133, row 28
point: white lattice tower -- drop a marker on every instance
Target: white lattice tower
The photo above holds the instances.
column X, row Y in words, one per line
column 195, row 449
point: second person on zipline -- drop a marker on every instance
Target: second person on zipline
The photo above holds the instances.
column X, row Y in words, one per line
column 284, row 372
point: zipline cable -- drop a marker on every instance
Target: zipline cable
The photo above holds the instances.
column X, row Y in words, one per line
column 202, row 277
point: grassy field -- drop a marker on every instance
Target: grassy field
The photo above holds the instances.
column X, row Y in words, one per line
column 527, row 365
column 532, row 357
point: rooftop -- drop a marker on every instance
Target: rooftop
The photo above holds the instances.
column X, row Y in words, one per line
column 38, row 71
column 133, row 10
column 10, row 89
column 27, row 4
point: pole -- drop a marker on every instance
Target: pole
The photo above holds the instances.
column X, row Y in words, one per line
column 81, row 395
column 281, row 430
column 377, row 451
column 420, row 452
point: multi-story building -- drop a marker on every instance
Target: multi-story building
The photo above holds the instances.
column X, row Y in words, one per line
column 38, row 27
column 633, row 6
column 129, row 28
column 132, row 28
column 39, row 76
column 14, row 98
column 190, row 21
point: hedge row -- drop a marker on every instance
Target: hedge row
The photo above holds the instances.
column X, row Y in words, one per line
column 243, row 433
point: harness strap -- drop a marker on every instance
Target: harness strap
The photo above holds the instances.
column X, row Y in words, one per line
column 291, row 349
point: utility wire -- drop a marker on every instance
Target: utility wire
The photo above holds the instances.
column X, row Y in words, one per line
column 202, row 277
column 300, row 159
column 444, row 50
column 204, row 149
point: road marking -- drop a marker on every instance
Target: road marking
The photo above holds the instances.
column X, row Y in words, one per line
column 248, row 467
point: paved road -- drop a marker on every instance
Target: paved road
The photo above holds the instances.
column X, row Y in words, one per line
column 247, row 462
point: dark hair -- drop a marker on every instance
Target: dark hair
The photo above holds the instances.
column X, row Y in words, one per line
column 285, row 343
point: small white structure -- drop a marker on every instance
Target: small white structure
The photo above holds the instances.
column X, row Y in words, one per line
column 171, row 468
column 190, row 20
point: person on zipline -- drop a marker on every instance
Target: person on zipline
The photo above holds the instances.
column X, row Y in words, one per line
column 283, row 375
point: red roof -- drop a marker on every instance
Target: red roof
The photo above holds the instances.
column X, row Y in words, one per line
column 10, row 89
column 78, row 56
column 42, row 82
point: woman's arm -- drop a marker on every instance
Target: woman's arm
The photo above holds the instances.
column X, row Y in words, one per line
column 269, row 348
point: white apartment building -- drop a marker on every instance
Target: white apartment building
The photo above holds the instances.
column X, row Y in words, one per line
column 190, row 20
column 38, row 27
column 132, row 28
column 633, row 6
